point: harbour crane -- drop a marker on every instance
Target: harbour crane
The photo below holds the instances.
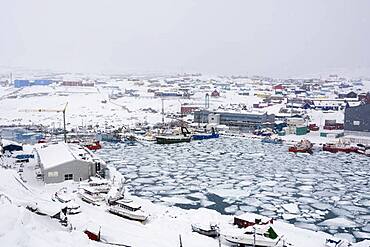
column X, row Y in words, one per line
column 53, row 110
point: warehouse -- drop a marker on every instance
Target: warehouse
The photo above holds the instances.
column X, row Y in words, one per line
column 357, row 120
column 60, row 162
column 239, row 119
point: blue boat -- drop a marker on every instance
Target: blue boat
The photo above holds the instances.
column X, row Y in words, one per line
column 197, row 137
column 205, row 136
column 272, row 140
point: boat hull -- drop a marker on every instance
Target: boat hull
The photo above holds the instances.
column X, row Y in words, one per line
column 198, row 137
column 128, row 214
column 171, row 139
column 334, row 149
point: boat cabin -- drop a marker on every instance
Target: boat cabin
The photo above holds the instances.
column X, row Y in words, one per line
column 128, row 205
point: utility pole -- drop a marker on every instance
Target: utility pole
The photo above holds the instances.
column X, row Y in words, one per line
column 162, row 111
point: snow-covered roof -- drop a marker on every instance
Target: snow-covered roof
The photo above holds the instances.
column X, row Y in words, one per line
column 55, row 154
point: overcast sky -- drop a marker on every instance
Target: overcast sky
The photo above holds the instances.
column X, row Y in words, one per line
column 275, row 37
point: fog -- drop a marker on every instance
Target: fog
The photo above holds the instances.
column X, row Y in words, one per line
column 279, row 38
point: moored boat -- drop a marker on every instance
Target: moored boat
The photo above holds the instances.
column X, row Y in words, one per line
column 129, row 209
column 172, row 139
column 101, row 185
column 210, row 230
column 362, row 149
column 304, row 146
column 95, row 145
column 340, row 147
column 268, row 139
column 169, row 139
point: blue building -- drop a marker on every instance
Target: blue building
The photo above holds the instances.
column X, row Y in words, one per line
column 21, row 83
column 42, row 82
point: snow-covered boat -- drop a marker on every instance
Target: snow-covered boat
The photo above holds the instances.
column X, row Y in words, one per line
column 210, row 230
column 73, row 208
column 91, row 195
column 268, row 139
column 304, row 146
column 257, row 236
column 99, row 184
column 129, row 209
column 62, row 196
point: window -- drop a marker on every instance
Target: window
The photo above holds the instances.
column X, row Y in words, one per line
column 68, row 176
column 53, row 174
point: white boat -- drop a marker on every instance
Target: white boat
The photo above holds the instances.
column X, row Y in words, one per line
column 263, row 236
column 129, row 209
column 91, row 195
column 99, row 184
column 62, row 196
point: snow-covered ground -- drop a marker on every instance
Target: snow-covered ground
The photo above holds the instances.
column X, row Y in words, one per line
column 20, row 227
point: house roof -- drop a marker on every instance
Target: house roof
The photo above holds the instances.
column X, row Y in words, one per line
column 55, row 155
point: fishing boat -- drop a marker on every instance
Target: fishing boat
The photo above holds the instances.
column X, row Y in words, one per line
column 340, row 147
column 263, row 236
column 95, row 145
column 362, row 149
column 91, row 195
column 268, row 139
column 204, row 136
column 172, row 139
column 304, row 146
column 169, row 139
column 210, row 230
column 129, row 209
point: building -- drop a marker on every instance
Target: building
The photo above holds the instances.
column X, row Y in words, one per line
column 357, row 120
column 21, row 83
column 239, row 119
column 60, row 162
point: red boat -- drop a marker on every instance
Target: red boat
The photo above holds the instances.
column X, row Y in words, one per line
column 93, row 146
column 304, row 146
column 334, row 148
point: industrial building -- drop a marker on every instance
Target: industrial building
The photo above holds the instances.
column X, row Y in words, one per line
column 239, row 119
column 357, row 120
column 60, row 162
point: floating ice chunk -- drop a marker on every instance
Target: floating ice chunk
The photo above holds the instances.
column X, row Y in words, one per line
column 232, row 209
column 291, row 208
column 178, row 200
column 308, row 226
column 345, row 236
column 321, row 206
column 289, row 216
column 362, row 235
column 248, row 208
column 338, row 222
column 206, row 203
